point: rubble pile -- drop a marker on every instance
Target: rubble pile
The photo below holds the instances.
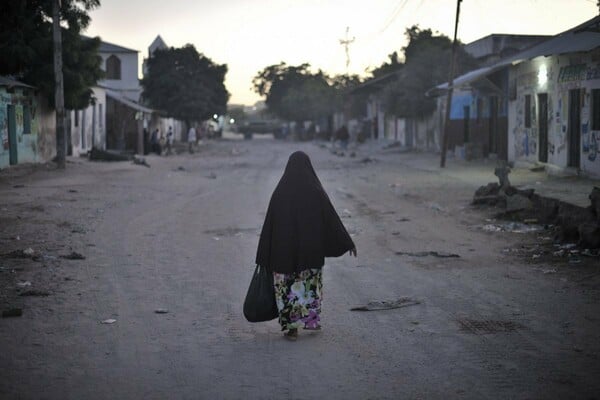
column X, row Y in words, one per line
column 574, row 223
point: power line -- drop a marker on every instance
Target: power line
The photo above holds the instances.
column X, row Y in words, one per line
column 395, row 13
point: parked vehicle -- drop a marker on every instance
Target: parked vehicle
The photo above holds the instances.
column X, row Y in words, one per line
column 249, row 128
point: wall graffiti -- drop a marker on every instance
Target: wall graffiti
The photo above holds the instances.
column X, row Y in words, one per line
column 3, row 128
column 572, row 73
column 19, row 122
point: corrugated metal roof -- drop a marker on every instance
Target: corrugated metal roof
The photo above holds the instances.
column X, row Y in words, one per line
column 9, row 82
column 106, row 47
column 375, row 84
column 582, row 38
column 129, row 103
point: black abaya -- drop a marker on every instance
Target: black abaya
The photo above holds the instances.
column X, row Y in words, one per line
column 301, row 227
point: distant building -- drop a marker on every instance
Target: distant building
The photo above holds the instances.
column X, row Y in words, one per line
column 87, row 127
column 550, row 94
column 157, row 44
column 491, row 48
column 120, row 65
column 123, row 112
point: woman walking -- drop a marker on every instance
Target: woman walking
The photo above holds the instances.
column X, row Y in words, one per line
column 301, row 228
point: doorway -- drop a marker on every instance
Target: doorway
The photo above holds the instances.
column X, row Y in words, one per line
column 12, row 135
column 467, row 119
column 573, row 132
column 543, row 127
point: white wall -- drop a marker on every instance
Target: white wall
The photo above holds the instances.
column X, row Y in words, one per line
column 129, row 83
column 89, row 128
column 542, row 75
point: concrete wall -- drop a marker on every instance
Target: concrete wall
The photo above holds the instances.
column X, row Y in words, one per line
column 129, row 83
column 31, row 145
column 46, row 125
column 548, row 75
column 88, row 126
column 163, row 125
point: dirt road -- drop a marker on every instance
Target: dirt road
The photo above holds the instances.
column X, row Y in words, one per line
column 182, row 236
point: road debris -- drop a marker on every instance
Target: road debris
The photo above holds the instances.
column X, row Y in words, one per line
column 367, row 160
column 514, row 227
column 26, row 253
column 386, row 305
column 35, row 293
column 345, row 193
column 140, row 161
column 73, row 256
column 436, row 207
column 103, row 155
column 12, row 312
column 109, row 321
column 161, row 311
column 23, row 284
column 439, row 254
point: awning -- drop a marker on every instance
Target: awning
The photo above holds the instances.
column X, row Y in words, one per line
column 129, row 103
column 10, row 83
column 375, row 84
column 582, row 38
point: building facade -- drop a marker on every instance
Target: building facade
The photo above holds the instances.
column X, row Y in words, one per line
column 121, row 67
column 555, row 112
column 87, row 127
column 26, row 125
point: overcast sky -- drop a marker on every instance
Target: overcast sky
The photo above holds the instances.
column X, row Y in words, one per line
column 249, row 35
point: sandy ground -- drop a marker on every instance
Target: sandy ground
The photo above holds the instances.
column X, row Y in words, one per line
column 493, row 323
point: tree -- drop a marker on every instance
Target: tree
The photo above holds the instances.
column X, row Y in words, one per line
column 426, row 65
column 388, row 67
column 26, row 48
column 185, row 84
column 294, row 93
column 354, row 105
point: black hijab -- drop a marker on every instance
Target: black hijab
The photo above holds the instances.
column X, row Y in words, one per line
column 301, row 227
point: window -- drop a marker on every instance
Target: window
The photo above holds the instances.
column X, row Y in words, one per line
column 595, row 117
column 100, row 119
column 76, row 117
column 26, row 120
column 527, row 111
column 113, row 67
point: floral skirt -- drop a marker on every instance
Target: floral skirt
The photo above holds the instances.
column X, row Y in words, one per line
column 298, row 298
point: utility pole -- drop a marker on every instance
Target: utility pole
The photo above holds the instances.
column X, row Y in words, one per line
column 59, row 99
column 450, row 89
column 346, row 42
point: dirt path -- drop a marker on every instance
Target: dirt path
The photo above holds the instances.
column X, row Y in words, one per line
column 182, row 236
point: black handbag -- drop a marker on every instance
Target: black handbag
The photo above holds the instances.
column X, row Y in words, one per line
column 260, row 304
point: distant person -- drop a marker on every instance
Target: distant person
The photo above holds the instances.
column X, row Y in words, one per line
column 301, row 228
column 170, row 137
column 154, row 141
column 192, row 139
column 146, row 141
column 343, row 136
column 162, row 142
